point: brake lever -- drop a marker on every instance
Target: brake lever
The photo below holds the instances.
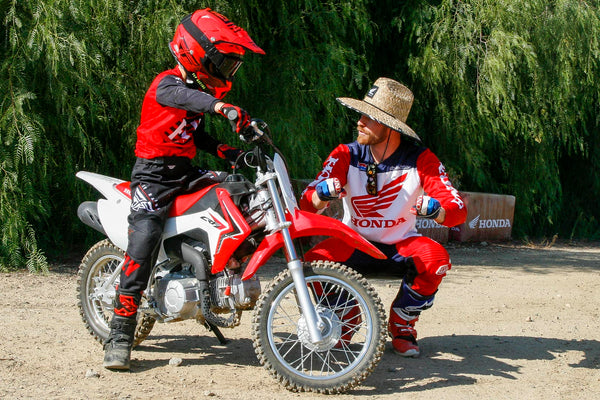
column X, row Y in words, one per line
column 257, row 134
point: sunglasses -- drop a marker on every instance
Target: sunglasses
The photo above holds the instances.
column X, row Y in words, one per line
column 372, row 179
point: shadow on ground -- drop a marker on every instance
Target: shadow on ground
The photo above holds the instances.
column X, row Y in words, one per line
column 464, row 357
column 462, row 360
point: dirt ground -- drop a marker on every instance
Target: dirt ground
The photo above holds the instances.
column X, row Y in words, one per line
column 509, row 322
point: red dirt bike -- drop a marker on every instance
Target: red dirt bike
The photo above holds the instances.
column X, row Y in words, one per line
column 316, row 326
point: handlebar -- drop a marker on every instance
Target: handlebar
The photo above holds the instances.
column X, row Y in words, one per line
column 258, row 133
column 246, row 136
column 232, row 114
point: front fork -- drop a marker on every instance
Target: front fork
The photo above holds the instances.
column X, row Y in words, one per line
column 314, row 322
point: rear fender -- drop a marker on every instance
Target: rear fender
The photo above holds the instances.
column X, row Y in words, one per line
column 108, row 186
column 308, row 224
column 114, row 209
column 114, row 221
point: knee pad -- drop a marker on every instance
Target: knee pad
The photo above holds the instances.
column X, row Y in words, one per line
column 408, row 304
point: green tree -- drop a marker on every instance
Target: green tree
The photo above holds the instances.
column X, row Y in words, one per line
column 74, row 72
column 507, row 92
column 71, row 79
column 316, row 50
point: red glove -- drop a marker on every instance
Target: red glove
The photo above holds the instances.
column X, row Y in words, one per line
column 232, row 154
column 227, row 152
column 238, row 117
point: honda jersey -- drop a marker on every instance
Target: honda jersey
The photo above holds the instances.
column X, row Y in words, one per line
column 171, row 113
column 409, row 172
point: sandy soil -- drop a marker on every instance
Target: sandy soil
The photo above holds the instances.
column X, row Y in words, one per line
column 509, row 322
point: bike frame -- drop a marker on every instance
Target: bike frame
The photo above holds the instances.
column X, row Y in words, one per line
column 285, row 222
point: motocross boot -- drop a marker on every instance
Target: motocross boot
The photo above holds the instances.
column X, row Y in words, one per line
column 405, row 311
column 117, row 348
column 404, row 335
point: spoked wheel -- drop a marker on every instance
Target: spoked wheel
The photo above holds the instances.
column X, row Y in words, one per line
column 97, row 280
column 353, row 325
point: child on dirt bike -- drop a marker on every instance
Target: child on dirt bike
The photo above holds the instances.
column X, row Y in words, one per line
column 208, row 49
column 382, row 178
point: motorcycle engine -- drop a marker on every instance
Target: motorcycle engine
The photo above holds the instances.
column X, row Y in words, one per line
column 231, row 292
column 178, row 296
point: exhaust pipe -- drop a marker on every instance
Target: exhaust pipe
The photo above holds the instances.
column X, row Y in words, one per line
column 196, row 258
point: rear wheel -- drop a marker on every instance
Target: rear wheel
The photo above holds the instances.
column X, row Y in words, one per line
column 97, row 280
column 353, row 339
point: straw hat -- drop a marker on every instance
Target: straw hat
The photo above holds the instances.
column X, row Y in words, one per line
column 387, row 102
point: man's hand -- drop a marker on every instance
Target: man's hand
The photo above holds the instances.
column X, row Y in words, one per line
column 329, row 189
column 238, row 117
column 427, row 207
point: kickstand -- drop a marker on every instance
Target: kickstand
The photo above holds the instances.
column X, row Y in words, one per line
column 216, row 331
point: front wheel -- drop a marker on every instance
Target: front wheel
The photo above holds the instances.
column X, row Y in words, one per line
column 353, row 325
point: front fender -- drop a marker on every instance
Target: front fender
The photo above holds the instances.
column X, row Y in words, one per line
column 309, row 224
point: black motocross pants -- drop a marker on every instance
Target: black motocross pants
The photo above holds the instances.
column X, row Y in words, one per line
column 154, row 185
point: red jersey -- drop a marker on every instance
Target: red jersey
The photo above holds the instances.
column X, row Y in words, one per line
column 171, row 114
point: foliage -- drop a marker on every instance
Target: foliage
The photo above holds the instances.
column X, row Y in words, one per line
column 73, row 77
column 316, row 50
column 70, row 87
column 509, row 86
column 512, row 88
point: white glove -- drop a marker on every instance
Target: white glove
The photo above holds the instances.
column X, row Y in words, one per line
column 329, row 189
column 427, row 207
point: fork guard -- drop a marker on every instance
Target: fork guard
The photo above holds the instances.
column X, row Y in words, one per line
column 309, row 224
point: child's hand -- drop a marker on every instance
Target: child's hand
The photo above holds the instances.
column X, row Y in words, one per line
column 238, row 117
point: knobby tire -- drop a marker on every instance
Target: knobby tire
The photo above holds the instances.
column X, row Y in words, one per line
column 278, row 332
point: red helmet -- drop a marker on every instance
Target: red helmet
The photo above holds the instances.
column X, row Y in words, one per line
column 210, row 49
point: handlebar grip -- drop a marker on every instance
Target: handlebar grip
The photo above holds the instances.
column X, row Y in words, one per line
column 232, row 114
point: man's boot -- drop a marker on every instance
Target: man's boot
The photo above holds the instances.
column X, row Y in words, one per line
column 404, row 335
column 405, row 311
column 117, row 348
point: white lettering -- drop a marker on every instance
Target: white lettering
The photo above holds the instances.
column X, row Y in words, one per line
column 444, row 178
column 329, row 164
column 492, row 223
column 180, row 131
column 441, row 169
column 424, row 223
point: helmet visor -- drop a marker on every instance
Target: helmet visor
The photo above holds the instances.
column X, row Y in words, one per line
column 226, row 68
column 229, row 66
